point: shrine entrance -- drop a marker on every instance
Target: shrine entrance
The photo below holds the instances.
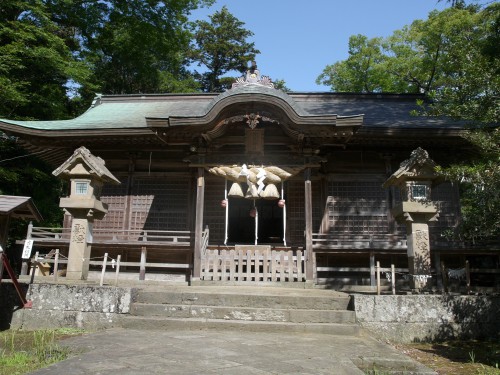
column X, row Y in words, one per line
column 241, row 223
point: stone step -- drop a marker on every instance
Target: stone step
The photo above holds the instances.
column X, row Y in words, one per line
column 243, row 313
column 162, row 323
column 274, row 301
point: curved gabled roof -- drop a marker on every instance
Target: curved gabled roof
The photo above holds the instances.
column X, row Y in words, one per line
column 256, row 91
column 133, row 114
column 253, row 99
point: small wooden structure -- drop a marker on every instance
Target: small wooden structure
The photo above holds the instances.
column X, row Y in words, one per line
column 14, row 207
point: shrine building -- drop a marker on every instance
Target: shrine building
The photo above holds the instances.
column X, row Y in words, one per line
column 257, row 185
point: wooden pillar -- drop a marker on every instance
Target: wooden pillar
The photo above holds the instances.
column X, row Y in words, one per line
column 308, row 220
column 200, row 203
column 130, row 181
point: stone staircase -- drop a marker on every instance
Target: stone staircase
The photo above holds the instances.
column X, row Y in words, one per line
column 256, row 309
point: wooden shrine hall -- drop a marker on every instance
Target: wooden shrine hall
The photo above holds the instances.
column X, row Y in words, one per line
column 253, row 184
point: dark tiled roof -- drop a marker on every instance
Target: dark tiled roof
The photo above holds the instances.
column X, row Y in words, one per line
column 131, row 111
column 379, row 110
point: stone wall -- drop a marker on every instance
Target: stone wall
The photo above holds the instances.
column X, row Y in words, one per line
column 410, row 318
column 76, row 306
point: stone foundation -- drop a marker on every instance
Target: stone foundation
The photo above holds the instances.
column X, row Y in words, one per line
column 401, row 318
column 76, row 306
column 411, row 318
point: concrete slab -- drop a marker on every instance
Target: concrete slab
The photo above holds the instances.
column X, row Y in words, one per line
column 124, row 351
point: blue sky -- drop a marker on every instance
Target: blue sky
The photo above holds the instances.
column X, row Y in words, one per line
column 298, row 39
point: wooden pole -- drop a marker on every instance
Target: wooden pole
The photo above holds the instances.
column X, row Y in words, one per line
column 118, row 259
column 393, row 279
column 4, row 231
column 378, row 278
column 104, row 261
column 256, row 222
column 226, row 224
column 200, row 202
column 467, row 275
column 24, row 266
column 308, row 222
column 142, row 267
column 56, row 265
column 445, row 278
column 372, row 269
column 35, row 264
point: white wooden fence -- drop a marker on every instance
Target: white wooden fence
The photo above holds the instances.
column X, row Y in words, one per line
column 253, row 265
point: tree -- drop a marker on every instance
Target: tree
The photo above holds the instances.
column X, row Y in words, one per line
column 363, row 71
column 133, row 46
column 220, row 46
column 280, row 84
column 35, row 63
column 23, row 174
column 452, row 57
column 432, row 56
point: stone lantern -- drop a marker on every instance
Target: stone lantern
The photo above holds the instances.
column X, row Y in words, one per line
column 415, row 179
column 86, row 173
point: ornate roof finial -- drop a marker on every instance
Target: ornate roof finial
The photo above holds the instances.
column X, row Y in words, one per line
column 253, row 78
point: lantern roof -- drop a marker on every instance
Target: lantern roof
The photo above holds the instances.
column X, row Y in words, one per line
column 419, row 167
column 82, row 162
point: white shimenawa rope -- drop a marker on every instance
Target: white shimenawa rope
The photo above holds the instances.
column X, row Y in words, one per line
column 284, row 216
column 227, row 212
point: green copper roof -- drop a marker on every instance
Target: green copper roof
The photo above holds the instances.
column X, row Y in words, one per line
column 118, row 114
column 131, row 111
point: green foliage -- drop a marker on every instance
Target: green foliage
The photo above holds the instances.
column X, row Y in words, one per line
column 280, row 84
column 452, row 56
column 363, row 71
column 132, row 46
column 220, row 46
column 35, row 63
column 479, row 183
column 24, row 175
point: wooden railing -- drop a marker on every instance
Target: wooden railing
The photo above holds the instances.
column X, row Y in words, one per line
column 253, row 265
column 106, row 263
column 341, row 241
column 113, row 235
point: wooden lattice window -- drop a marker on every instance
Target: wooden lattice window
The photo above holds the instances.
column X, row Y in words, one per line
column 160, row 203
column 357, row 208
column 115, row 196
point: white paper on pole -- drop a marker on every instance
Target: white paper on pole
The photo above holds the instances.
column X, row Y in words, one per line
column 28, row 245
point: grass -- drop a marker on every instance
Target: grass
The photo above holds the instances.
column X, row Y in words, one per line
column 22, row 352
column 457, row 357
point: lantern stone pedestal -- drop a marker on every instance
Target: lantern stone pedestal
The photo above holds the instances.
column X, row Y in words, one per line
column 87, row 173
column 416, row 217
column 414, row 178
